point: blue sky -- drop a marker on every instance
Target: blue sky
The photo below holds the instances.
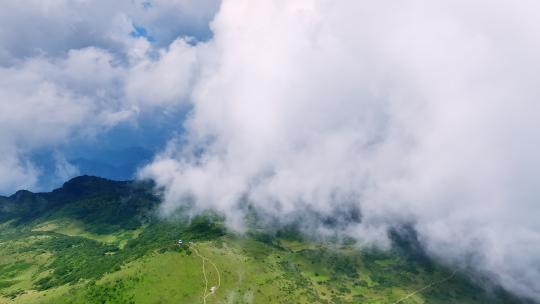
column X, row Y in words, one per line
column 86, row 82
column 116, row 153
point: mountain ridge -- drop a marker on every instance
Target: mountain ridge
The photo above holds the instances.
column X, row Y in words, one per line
column 96, row 240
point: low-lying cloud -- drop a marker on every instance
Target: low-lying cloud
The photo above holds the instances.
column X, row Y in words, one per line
column 411, row 112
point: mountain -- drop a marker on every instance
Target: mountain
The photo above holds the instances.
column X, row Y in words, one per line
column 96, row 240
column 117, row 163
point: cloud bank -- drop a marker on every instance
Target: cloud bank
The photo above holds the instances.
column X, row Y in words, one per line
column 415, row 112
column 75, row 69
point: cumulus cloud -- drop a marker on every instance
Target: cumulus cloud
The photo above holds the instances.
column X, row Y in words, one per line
column 410, row 112
column 52, row 28
column 76, row 68
column 165, row 81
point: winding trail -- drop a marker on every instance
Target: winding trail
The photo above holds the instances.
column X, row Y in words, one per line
column 205, row 259
column 425, row 287
column 206, row 293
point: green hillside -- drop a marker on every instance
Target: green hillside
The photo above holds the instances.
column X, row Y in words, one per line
column 99, row 241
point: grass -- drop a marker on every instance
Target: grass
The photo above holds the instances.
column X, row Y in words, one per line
column 98, row 242
column 77, row 228
column 52, row 267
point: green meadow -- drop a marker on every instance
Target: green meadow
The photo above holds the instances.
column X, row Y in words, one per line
column 107, row 246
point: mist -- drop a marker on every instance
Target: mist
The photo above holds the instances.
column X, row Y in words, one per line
column 408, row 112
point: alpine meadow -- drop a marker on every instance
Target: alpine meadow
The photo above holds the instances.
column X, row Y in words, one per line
column 100, row 241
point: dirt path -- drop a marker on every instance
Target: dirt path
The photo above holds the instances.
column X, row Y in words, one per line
column 204, row 260
column 425, row 287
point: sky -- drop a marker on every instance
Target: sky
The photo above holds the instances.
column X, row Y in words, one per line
column 415, row 113
column 82, row 81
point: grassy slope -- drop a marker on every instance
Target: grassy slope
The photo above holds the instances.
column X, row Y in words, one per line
column 65, row 257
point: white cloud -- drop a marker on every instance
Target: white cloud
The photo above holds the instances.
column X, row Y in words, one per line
column 74, row 68
column 43, row 103
column 64, row 170
column 21, row 174
column 53, row 27
column 422, row 112
column 163, row 81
